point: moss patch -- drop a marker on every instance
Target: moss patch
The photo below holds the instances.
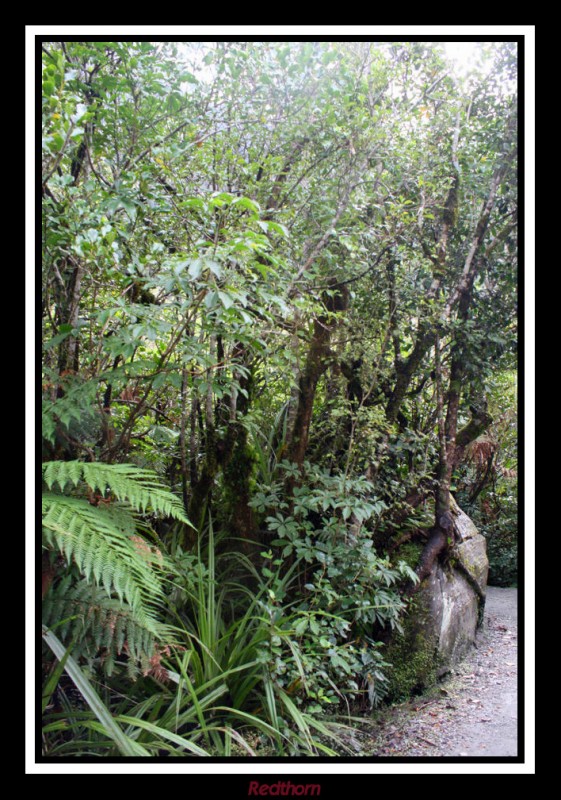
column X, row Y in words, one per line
column 414, row 662
column 411, row 653
column 410, row 552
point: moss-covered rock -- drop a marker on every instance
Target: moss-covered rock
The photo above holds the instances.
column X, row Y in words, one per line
column 412, row 656
column 440, row 625
column 438, row 629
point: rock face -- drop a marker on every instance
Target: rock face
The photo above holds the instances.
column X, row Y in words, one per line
column 470, row 549
column 440, row 626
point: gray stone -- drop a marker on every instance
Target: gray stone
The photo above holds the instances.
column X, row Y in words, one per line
column 465, row 527
column 457, row 619
column 470, row 549
column 441, row 623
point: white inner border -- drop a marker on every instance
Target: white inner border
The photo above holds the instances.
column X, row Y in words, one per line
column 252, row 770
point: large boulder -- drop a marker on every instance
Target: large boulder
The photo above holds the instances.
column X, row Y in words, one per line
column 470, row 549
column 441, row 623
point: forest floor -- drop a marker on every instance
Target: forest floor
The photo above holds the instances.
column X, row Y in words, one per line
column 472, row 711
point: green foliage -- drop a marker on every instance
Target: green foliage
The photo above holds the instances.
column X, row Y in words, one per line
column 126, row 746
column 103, row 628
column 324, row 647
column 502, row 546
column 496, row 516
column 247, row 248
column 488, row 482
column 172, row 716
column 123, row 588
column 226, row 638
column 99, row 541
column 138, row 488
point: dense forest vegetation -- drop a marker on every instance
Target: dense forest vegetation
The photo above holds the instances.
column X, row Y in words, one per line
column 279, row 331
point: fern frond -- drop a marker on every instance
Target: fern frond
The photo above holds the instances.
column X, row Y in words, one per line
column 82, row 613
column 101, row 544
column 138, row 487
column 115, row 608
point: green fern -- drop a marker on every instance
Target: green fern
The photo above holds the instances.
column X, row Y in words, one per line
column 83, row 613
column 119, row 598
column 100, row 542
column 138, row 487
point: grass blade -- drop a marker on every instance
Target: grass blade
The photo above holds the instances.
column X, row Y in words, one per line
column 163, row 733
column 126, row 746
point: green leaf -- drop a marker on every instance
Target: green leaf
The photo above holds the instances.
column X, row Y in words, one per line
column 56, row 340
column 278, row 228
column 214, row 267
column 226, row 299
column 301, row 626
column 195, row 268
column 128, row 205
column 210, row 299
column 188, row 77
column 193, row 202
column 162, row 733
column 126, row 746
column 245, row 202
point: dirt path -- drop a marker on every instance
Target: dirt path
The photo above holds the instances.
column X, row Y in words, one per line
column 473, row 712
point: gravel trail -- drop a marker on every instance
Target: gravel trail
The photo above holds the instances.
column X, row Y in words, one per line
column 473, row 711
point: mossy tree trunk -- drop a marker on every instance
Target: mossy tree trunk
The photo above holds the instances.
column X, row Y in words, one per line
column 317, row 362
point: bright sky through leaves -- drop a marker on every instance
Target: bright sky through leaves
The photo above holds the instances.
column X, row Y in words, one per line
column 464, row 55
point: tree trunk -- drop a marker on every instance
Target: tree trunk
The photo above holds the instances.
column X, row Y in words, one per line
column 317, row 361
column 68, row 315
